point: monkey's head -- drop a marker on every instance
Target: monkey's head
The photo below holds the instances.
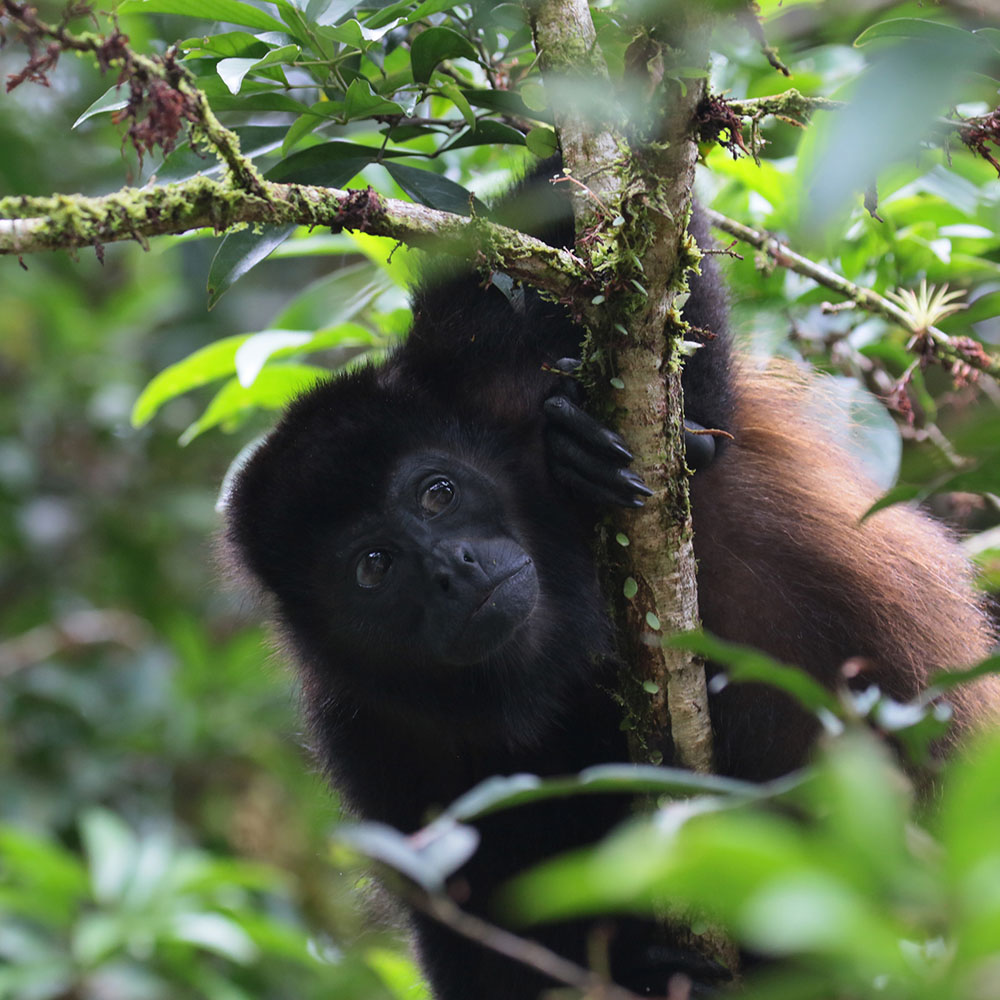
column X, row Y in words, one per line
column 388, row 539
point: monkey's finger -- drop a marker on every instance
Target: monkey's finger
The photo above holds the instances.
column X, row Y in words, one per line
column 593, row 492
column 590, row 433
column 614, row 483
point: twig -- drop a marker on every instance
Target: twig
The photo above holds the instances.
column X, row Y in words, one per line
column 523, row 950
column 955, row 351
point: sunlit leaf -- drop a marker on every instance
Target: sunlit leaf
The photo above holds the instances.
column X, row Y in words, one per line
column 232, row 71
column 274, row 388
column 230, row 11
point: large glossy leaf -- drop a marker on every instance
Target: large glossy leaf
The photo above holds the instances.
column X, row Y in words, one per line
column 227, row 44
column 238, row 253
column 434, row 191
column 232, row 71
column 329, row 164
column 275, row 388
column 361, row 102
column 435, row 45
column 946, row 35
column 506, row 102
column 206, row 365
column 230, row 11
column 488, row 133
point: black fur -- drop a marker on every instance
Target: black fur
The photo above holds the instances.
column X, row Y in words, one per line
column 402, row 731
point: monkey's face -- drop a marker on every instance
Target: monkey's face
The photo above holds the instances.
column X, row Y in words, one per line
column 433, row 573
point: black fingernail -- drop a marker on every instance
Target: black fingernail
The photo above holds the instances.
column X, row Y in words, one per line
column 636, row 483
column 618, row 444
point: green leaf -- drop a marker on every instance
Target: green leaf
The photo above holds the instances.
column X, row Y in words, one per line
column 429, row 7
column 435, row 45
column 511, row 791
column 111, row 850
column 238, row 253
column 542, row 142
column 534, row 97
column 215, row 933
column 398, row 973
column 488, row 133
column 110, row 100
column 329, row 164
column 746, row 665
column 348, row 34
column 361, row 102
column 932, row 31
column 969, row 818
column 232, row 71
column 387, row 16
column 274, row 388
column 451, row 91
column 304, row 124
column 227, row 44
column 434, row 190
column 44, row 866
column 428, row 860
column 254, row 352
column 631, row 588
column 206, row 365
column 230, row 11
column 505, row 102
column 945, row 680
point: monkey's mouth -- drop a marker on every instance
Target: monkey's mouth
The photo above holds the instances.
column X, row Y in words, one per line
column 495, row 618
column 505, row 588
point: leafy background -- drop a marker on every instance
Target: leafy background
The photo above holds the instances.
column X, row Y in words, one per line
column 163, row 832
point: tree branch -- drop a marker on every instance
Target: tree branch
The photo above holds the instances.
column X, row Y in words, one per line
column 953, row 351
column 28, row 225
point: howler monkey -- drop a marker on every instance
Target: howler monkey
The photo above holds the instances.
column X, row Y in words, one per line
column 424, row 528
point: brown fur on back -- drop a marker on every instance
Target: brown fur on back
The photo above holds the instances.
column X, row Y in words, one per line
column 785, row 565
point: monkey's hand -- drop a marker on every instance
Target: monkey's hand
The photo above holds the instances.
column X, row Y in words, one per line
column 588, row 458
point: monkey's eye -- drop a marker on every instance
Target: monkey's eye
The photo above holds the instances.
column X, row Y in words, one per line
column 437, row 496
column 372, row 568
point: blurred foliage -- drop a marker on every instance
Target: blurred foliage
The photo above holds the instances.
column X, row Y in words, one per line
column 160, row 833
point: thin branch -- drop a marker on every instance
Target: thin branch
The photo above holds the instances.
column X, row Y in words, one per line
column 954, row 351
column 520, row 949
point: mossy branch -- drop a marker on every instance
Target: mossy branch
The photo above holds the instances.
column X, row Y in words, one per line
column 28, row 225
